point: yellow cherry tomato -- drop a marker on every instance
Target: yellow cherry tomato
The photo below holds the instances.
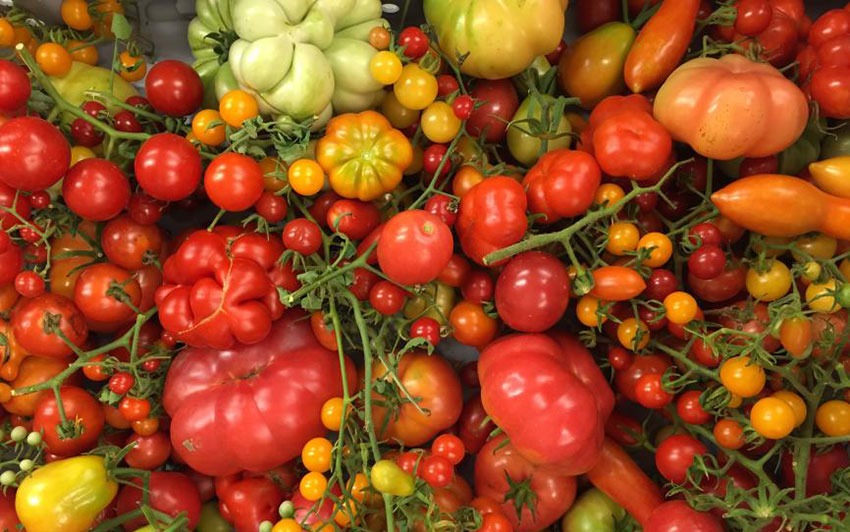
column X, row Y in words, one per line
column 770, row 284
column 75, row 13
column 316, row 455
column 313, row 486
column 660, row 249
column 358, row 486
column 205, row 131
column 237, row 106
column 820, row 297
column 833, row 418
column 133, row 67
column 681, row 307
column 439, row 123
column 332, row 413
column 819, row 246
column 832, row 175
column 83, row 52
column 811, row 271
column 385, row 67
column 622, row 237
column 306, row 177
column 586, row 311
column 415, row 89
column 796, row 403
column 742, row 377
column 844, row 268
column 342, row 516
column 734, row 401
column 388, row 477
column 53, row 59
column 609, row 194
column 399, row 116
column 633, row 334
column 7, row 33
column 287, row 525
column 79, row 153
column 772, row 418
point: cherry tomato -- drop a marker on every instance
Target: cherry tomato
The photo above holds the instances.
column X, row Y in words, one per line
column 353, row 218
column 387, row 298
column 133, row 67
column 174, row 88
column 149, row 452
column 532, row 291
column 75, row 13
column 499, row 103
column 660, row 284
column 306, row 177
column 650, row 392
column 415, row 88
column 237, row 106
column 79, row 406
column 742, row 377
column 15, row 87
column 472, row 326
column 316, row 455
column 795, row 334
column 444, row 207
column 271, row 207
column 769, row 284
column 332, row 412
column 659, row 249
column 446, row 84
column 707, row 262
column 463, row 106
column 208, row 127
column 385, row 67
column 705, row 233
column 449, row 447
column 675, row 455
column 302, row 235
column 53, row 59
column 96, row 189
column 168, row 167
column 313, row 486
column 690, row 410
column 773, row 418
column 622, row 237
column 729, row 434
column 134, row 409
column 233, row 182
column 833, row 418
column 433, row 157
column 633, row 334
column 29, row 284
column 427, row 328
column 414, row 42
column 437, row 471
column 379, row 38
column 753, row 17
column 681, row 307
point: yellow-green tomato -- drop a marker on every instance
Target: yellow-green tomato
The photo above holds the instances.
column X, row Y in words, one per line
column 592, row 512
column 65, row 496
column 527, row 148
column 211, row 520
column 435, row 301
column 439, row 123
column 387, row 477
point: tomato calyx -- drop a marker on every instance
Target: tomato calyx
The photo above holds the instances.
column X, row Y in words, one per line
column 521, row 495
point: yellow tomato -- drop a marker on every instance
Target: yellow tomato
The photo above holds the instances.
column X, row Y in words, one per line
column 286, row 525
column 586, row 311
column 78, row 153
column 399, row 116
column 633, row 334
column 609, row 194
column 415, row 89
column 385, row 67
column 75, row 13
column 819, row 246
column 622, row 237
column 332, row 413
column 82, row 52
column 773, row 418
column 833, row 418
column 439, row 123
column 820, row 296
column 770, row 284
column 681, row 307
column 796, row 403
column 306, row 177
column 313, row 485
column 238, row 106
column 742, row 377
column 53, row 59
column 660, row 249
column 316, row 455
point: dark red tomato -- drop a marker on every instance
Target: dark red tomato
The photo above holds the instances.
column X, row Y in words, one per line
column 97, row 295
column 779, row 39
column 413, row 41
column 271, row 207
column 446, row 84
column 753, row 17
column 363, row 282
column 144, row 209
column 174, row 88
column 707, row 262
column 321, row 206
column 676, row 205
column 830, row 88
column 702, row 353
column 478, row 287
column 499, row 102
column 661, row 283
column 432, row 160
column 437, row 471
column 94, row 109
column 831, row 24
column 85, row 134
column 387, row 298
column 8, row 517
column 15, row 87
column 415, row 230
column 650, row 392
column 705, row 233
column 676, row 454
column 555, row 55
column 33, row 154
column 750, row 318
column 82, row 411
column 249, row 502
column 689, row 408
column 469, row 375
column 170, row 493
column 302, row 235
column 651, row 319
column 677, row 516
column 532, row 292
column 443, row 207
column 623, row 429
column 694, row 173
column 204, row 483
column 649, row 222
column 126, row 121
column 96, row 189
column 821, row 467
column 620, row 358
column 474, row 426
column 129, row 244
column 835, row 52
column 139, row 102
column 721, row 288
column 9, row 200
column 149, row 452
column 149, row 279
column 455, row 272
column 759, row 165
column 28, row 324
column 233, row 182
column 427, row 328
column 641, row 365
column 353, row 218
column 168, row 167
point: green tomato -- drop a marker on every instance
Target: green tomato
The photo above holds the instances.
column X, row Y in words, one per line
column 836, row 143
column 527, row 148
column 82, row 78
column 211, row 520
column 592, row 512
column 806, row 150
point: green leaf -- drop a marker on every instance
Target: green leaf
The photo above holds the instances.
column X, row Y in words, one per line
column 121, row 27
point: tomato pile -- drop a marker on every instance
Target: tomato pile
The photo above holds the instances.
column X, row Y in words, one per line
column 234, row 294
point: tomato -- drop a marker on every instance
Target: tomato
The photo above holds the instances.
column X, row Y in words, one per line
column 316, row 455
column 419, row 230
column 233, row 182
column 829, row 86
column 81, row 409
column 633, row 334
column 707, row 262
column 75, row 13
column 705, row 233
column 673, row 516
column 83, row 52
column 616, row 283
column 354, row 218
column 622, row 237
column 721, row 288
column 833, row 418
column 773, row 418
column 742, row 377
column 33, row 154
column 821, row 467
column 675, row 455
column 798, row 406
column 562, row 184
column 769, row 284
column 658, row 248
column 208, row 128
column 414, row 42
column 525, row 147
column 168, row 167
column 134, row 409
column 173, row 88
column 430, row 380
column 107, row 295
column 53, row 59
column 547, row 494
column 592, row 512
column 133, row 67
column 387, row 298
column 385, row 67
column 29, row 326
column 387, row 477
column 332, row 412
column 149, row 452
column 15, row 87
column 472, row 326
column 449, row 447
column 96, row 189
column 427, row 328
column 592, row 67
column 795, row 334
column 415, row 88
column 33, row 370
column 129, row 244
column 399, row 116
column 532, row 291
column 456, row 271
column 121, row 382
column 21, row 206
column 379, row 38
column 237, row 106
column 302, row 235
column 249, row 502
column 631, row 144
column 498, row 102
column 170, row 493
column 820, row 297
column 642, row 365
column 753, row 16
column 680, row 307
column 650, row 392
column 439, row 123
column 436, row 471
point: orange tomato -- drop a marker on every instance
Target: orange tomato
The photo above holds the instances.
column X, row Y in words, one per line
column 465, row 178
column 82, row 52
column 237, row 106
column 133, row 67
column 33, row 370
column 53, row 59
column 205, row 131
column 75, row 13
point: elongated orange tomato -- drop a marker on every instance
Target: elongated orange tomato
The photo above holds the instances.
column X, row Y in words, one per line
column 781, row 205
column 616, row 283
column 661, row 44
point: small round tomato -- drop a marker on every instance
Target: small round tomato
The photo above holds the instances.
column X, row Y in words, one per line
column 690, row 410
column 332, row 412
column 729, row 434
column 820, row 297
column 75, row 13
column 633, row 334
column 33, row 154
column 681, row 307
column 449, row 447
column 471, row 324
column 707, row 262
column 34, row 320
column 385, row 67
column 608, row 194
column 53, row 59
column 233, row 182
column 742, row 377
column 795, row 334
column 419, row 230
column 313, row 486
column 772, row 418
column 658, row 247
column 302, row 235
column 650, row 392
column 705, row 233
column 237, row 106
column 208, row 127
column 316, row 455
column 769, row 284
column 399, row 116
column 437, row 471
column 355, row 219
column 532, row 292
column 622, row 237
column 414, row 42
column 131, row 245
column 168, row 167
column 415, row 88
column 464, row 179
column 15, row 87
column 439, row 123
column 134, row 409
column 675, row 455
column 379, row 38
column 174, row 88
column 456, row 271
column 83, row 52
column 797, row 404
column 587, row 311
column 133, row 67
column 107, row 295
column 271, row 207
column 81, row 409
column 833, row 418
column 96, row 189
column 306, row 177
column 387, row 298
column 427, row 328
column 722, row 287
column 29, row 284
column 149, row 452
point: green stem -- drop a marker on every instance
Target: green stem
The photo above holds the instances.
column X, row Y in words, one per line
column 446, row 160
column 336, row 272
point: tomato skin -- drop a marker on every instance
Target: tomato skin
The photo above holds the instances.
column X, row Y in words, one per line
column 592, row 67
column 15, row 87
column 11, row 263
column 472, row 326
column 96, row 189
column 820, row 469
column 150, row 452
column 233, row 182
column 174, row 88
column 419, row 230
column 79, row 405
column 480, row 230
column 554, row 492
column 675, row 455
column 353, row 218
column 170, row 493
column 250, row 501
column 168, row 167
column 532, row 292
column 302, row 235
column 562, row 184
column 499, row 104
column 127, row 243
column 432, row 379
column 674, row 516
column 690, row 410
column 27, row 323
column 33, row 154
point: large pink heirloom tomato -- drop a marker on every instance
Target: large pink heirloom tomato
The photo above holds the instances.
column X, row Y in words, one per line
column 252, row 407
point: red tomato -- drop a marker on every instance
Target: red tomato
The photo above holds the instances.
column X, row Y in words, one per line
column 650, row 392
column 753, row 17
column 497, row 104
column 721, row 288
column 233, row 182
column 8, row 517
column 414, row 247
column 168, row 167
column 302, row 235
column 11, row 263
column 562, row 184
column 96, row 189
column 675, row 516
column 353, row 218
column 29, row 327
column 15, row 87
column 33, row 154
column 174, row 88
column 821, row 467
column 449, row 447
column 641, row 365
column 249, row 502
column 474, row 426
column 690, row 410
column 830, row 88
column 491, row 216
column 548, row 493
column 387, row 298
column 478, row 287
column 437, row 471
column 149, row 452
column 129, row 244
column 631, row 144
column 675, row 455
column 98, row 295
column 750, row 318
column 22, row 207
column 170, row 493
column 532, row 291
column 82, row 411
